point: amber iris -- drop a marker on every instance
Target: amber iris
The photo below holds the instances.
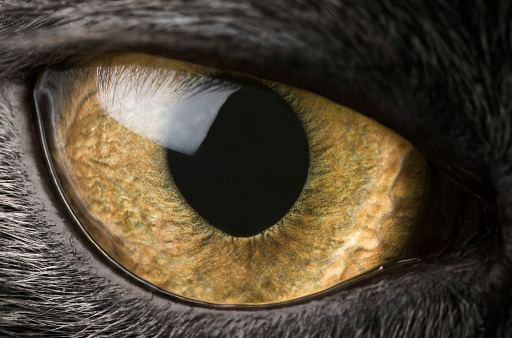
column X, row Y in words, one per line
column 225, row 188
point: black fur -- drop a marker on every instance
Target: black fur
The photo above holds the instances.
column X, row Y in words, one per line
column 438, row 72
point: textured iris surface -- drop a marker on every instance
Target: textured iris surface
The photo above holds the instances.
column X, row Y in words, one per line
column 110, row 121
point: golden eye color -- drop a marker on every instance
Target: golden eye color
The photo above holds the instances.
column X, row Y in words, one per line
column 229, row 189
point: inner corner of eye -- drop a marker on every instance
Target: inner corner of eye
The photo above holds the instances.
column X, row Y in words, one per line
column 233, row 190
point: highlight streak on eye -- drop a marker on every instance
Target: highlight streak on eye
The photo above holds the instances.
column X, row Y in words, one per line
column 358, row 207
column 173, row 109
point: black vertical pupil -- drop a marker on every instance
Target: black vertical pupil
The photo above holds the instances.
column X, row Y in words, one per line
column 250, row 168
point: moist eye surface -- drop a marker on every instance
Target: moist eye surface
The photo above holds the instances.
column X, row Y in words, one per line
column 229, row 189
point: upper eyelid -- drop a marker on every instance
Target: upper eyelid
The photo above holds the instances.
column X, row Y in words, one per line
column 235, row 41
column 61, row 35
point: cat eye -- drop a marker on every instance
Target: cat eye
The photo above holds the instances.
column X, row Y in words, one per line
column 225, row 188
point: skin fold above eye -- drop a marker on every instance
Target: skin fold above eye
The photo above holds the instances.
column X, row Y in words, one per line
column 109, row 123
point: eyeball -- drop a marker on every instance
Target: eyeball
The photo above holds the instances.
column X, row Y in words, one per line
column 229, row 189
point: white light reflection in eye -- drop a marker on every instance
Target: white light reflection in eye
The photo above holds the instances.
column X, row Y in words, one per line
column 170, row 108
